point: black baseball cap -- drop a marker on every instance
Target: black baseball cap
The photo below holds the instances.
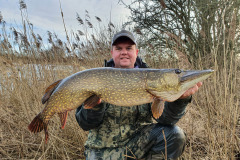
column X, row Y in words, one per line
column 124, row 33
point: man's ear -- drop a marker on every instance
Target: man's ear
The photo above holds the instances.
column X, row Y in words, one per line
column 136, row 52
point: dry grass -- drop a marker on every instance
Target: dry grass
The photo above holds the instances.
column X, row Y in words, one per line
column 20, row 97
column 211, row 121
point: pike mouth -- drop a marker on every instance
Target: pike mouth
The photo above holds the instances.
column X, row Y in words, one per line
column 193, row 77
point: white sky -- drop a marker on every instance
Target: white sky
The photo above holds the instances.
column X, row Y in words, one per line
column 45, row 15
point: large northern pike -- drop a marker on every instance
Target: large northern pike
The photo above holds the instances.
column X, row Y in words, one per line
column 122, row 87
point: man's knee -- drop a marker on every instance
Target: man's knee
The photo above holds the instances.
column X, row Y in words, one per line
column 173, row 138
column 179, row 137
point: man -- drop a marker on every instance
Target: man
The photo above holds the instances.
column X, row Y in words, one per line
column 117, row 132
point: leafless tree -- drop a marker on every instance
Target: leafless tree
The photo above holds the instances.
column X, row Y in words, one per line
column 192, row 27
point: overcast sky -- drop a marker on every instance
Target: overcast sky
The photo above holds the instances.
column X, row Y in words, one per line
column 45, row 15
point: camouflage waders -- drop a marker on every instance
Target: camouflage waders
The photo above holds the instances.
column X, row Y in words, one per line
column 148, row 144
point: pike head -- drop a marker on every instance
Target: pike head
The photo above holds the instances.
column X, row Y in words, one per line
column 170, row 84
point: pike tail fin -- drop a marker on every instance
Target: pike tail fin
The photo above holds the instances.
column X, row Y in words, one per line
column 157, row 107
column 63, row 118
column 37, row 125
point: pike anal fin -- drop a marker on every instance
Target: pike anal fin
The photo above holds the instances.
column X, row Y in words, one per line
column 63, row 118
column 157, row 107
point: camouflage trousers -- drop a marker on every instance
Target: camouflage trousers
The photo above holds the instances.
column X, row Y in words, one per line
column 154, row 140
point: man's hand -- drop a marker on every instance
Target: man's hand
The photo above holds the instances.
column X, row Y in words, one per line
column 191, row 91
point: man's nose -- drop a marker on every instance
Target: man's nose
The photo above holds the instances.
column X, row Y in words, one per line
column 124, row 51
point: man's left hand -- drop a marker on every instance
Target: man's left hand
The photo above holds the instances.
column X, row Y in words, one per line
column 191, row 91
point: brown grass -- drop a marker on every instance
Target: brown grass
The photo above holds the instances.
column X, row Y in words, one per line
column 210, row 121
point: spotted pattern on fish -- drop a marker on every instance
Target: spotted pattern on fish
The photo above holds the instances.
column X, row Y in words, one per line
column 121, row 87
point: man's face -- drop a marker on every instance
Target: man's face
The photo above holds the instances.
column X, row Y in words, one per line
column 124, row 54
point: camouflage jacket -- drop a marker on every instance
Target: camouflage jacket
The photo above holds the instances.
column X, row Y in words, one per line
column 114, row 126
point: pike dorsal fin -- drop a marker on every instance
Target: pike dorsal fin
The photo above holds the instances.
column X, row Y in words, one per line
column 49, row 91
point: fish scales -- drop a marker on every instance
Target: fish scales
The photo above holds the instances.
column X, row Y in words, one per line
column 81, row 86
column 121, row 87
column 123, row 91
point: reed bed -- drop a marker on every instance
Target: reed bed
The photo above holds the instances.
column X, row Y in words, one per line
column 212, row 122
column 212, row 119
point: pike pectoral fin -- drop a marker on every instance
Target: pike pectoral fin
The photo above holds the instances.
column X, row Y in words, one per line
column 91, row 102
column 157, row 107
column 63, row 118
column 49, row 91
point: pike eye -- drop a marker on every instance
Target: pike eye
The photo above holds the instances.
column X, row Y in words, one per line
column 178, row 71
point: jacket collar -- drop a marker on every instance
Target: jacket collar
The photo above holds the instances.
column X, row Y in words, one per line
column 138, row 64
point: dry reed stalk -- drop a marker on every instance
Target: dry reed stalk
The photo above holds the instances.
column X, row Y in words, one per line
column 127, row 156
column 68, row 40
column 165, row 144
column 1, row 17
